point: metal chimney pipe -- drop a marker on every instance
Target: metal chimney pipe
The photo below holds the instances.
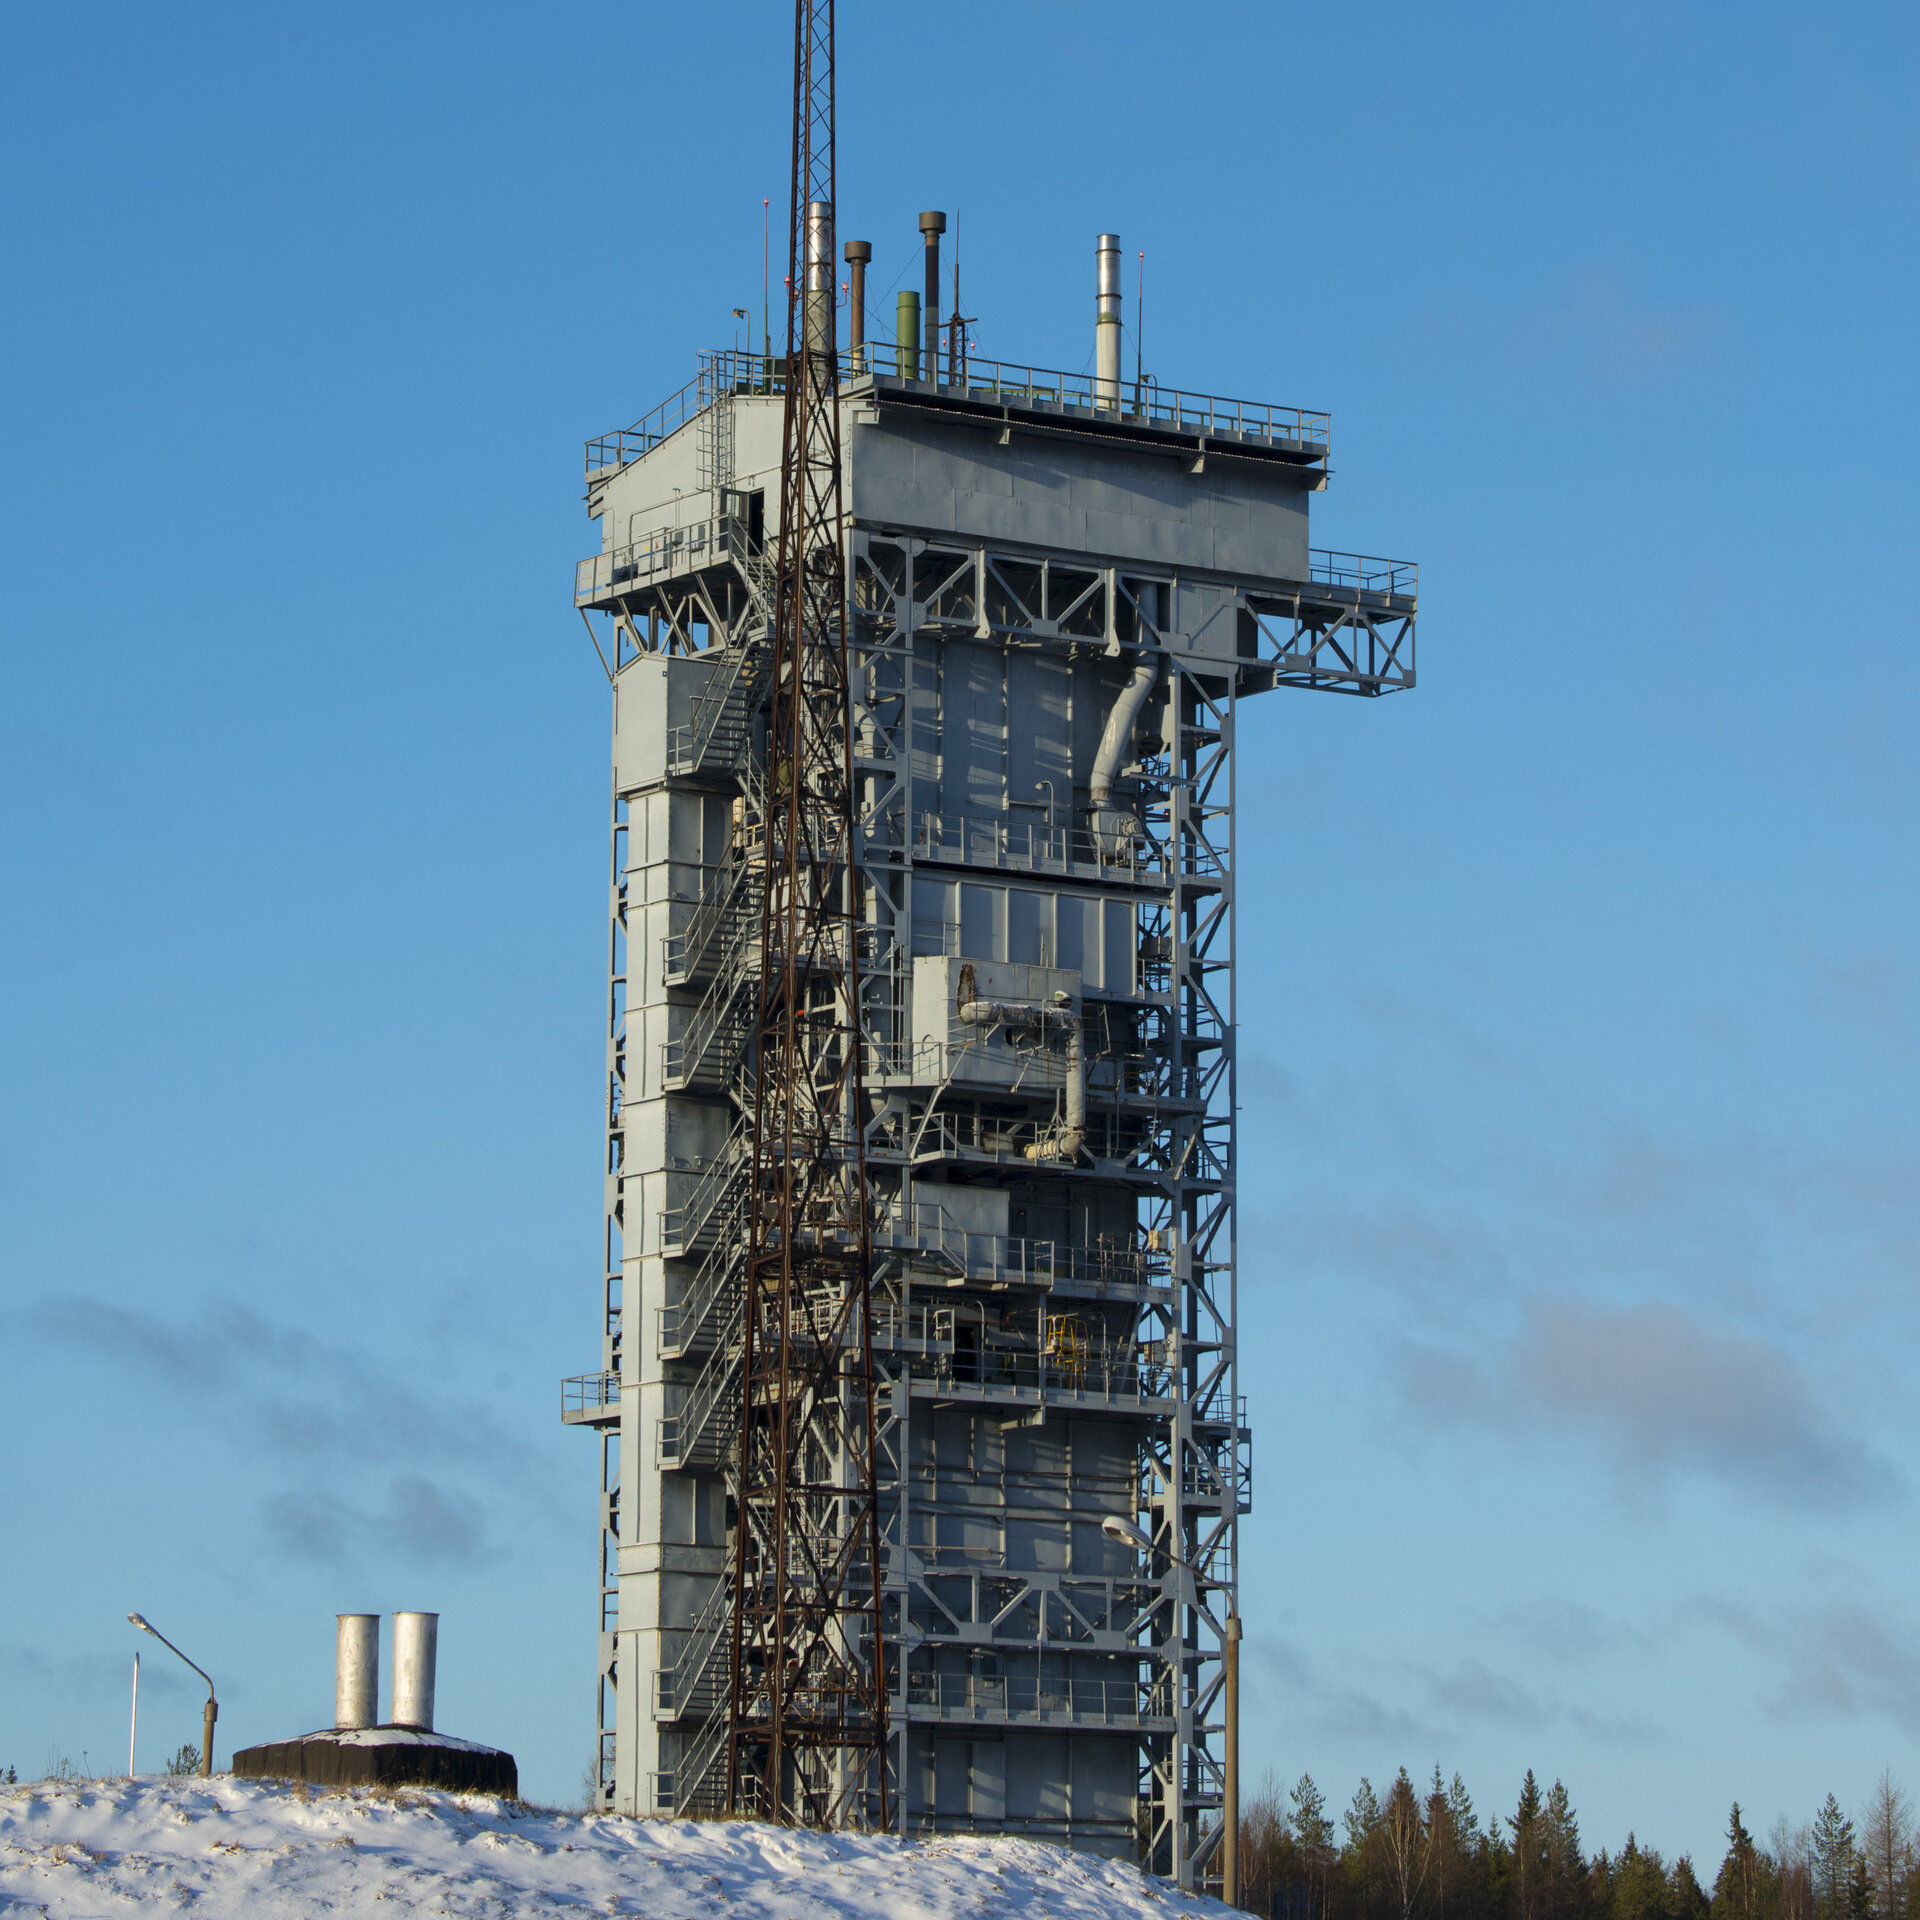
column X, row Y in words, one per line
column 859, row 252
column 356, row 1669
column 1106, row 324
column 416, row 1645
column 818, row 282
column 932, row 226
column 906, row 334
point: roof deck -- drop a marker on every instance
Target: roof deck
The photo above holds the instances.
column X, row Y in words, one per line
column 1142, row 412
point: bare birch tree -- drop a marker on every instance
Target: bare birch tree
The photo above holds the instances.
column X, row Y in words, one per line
column 1886, row 1844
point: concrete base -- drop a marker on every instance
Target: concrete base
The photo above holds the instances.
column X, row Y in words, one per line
column 382, row 1757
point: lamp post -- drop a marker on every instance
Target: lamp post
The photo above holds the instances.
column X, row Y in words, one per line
column 1126, row 1534
column 212, row 1712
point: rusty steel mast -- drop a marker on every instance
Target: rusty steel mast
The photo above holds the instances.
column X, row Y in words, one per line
column 807, row 1739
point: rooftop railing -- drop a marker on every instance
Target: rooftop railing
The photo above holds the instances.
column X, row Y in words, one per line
column 1000, row 383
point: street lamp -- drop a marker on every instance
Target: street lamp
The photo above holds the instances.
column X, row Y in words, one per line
column 213, row 1706
column 1124, row 1533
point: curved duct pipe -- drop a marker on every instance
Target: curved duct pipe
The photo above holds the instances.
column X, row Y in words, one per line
column 1113, row 831
column 1065, row 1142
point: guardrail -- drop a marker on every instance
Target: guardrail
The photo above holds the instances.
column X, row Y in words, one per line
column 666, row 550
column 1008, row 383
column 1000, row 383
column 999, row 1259
column 1364, row 573
column 969, row 1696
column 1036, row 846
column 587, row 1394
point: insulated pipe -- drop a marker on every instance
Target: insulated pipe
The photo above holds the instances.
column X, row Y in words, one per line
column 1066, row 1144
column 932, row 226
column 1113, row 832
column 1230, row 1799
column 1106, row 323
column 906, row 335
column 819, row 277
column 859, row 252
column 356, row 1669
column 416, row 1645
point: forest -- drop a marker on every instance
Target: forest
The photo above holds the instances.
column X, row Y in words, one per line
column 1427, row 1854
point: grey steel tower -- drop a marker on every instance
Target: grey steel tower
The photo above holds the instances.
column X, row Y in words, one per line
column 1058, row 590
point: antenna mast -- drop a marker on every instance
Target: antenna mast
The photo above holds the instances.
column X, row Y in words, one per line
column 807, row 1712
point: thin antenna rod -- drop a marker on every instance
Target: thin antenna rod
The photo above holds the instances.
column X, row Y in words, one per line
column 1139, row 317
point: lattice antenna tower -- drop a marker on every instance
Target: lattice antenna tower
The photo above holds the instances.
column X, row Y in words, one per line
column 807, row 1713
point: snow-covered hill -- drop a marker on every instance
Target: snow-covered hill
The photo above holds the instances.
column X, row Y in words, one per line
column 226, row 1848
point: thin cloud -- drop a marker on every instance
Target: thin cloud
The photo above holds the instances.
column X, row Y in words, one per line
column 1473, row 1691
column 307, row 1398
column 1663, row 1392
column 1842, row 1658
column 420, row 1520
column 1596, row 324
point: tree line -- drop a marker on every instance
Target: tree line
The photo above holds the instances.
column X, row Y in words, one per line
column 1426, row 1854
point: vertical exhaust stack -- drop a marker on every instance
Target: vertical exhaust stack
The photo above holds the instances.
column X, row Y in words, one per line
column 859, row 252
column 932, row 226
column 356, row 1670
column 818, row 272
column 1106, row 324
column 416, row 1646
column 906, row 335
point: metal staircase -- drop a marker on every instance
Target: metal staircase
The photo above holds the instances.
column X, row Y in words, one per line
column 693, row 1692
column 715, row 925
column 720, row 734
column 684, row 1230
column 711, row 1300
column 702, row 1059
column 699, row 1435
column 700, row 1776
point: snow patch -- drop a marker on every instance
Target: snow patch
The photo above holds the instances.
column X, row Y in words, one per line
column 271, row 1850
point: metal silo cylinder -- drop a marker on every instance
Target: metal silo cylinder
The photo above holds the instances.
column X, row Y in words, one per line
column 416, row 1645
column 356, row 1669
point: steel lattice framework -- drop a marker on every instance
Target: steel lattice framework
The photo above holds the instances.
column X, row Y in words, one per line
column 807, row 1714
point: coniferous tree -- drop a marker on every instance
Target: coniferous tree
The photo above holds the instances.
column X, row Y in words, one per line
column 1686, row 1898
column 1639, row 1890
column 1313, row 1836
column 1529, row 1852
column 1446, row 1853
column 1360, row 1859
column 1860, row 1895
column 1600, row 1883
column 1466, row 1823
column 1403, row 1844
column 1565, row 1867
column 1831, row 1859
column 1737, row 1886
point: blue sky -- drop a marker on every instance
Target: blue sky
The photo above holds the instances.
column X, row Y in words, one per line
column 1578, row 987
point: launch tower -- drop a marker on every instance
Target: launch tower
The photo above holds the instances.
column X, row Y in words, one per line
column 1059, row 590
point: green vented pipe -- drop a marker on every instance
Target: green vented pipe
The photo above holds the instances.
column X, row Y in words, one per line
column 906, row 334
